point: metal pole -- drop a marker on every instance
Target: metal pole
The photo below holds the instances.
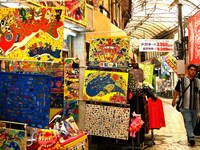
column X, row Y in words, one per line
column 180, row 29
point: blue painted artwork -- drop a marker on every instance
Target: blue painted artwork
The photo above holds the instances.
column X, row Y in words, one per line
column 95, row 86
column 25, row 98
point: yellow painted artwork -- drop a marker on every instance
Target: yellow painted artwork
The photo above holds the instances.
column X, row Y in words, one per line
column 31, row 34
column 105, row 86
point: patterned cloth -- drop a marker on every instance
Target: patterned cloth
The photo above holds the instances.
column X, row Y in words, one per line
column 138, row 74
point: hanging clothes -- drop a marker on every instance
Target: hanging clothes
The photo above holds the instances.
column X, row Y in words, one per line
column 138, row 74
column 156, row 113
column 137, row 105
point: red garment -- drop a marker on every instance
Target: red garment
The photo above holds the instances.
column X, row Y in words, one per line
column 156, row 114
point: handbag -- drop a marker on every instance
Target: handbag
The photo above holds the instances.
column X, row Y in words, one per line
column 179, row 100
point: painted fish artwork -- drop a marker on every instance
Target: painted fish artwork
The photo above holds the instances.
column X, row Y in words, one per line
column 105, row 86
column 109, row 52
column 31, row 33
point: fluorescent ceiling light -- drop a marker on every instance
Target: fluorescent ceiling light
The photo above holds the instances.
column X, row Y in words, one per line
column 13, row 5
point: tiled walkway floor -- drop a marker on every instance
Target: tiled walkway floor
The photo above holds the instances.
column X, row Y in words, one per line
column 171, row 137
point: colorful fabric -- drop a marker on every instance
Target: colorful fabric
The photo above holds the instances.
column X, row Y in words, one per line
column 156, row 114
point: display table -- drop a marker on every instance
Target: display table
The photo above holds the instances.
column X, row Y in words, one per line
column 79, row 142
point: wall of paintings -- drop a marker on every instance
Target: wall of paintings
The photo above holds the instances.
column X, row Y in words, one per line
column 106, row 86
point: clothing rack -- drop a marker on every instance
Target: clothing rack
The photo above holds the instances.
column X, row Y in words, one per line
column 144, row 90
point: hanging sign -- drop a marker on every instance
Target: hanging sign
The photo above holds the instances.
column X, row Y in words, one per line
column 171, row 61
column 148, row 73
column 156, row 45
column 31, row 34
column 194, row 39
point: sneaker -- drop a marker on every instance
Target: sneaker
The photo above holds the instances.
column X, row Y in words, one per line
column 192, row 142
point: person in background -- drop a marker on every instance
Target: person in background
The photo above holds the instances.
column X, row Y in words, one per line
column 189, row 106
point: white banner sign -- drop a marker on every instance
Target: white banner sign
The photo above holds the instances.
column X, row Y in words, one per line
column 156, row 45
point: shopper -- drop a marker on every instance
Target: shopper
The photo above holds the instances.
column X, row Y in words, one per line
column 188, row 88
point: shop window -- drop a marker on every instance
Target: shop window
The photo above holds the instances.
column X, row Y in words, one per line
column 104, row 11
column 142, row 57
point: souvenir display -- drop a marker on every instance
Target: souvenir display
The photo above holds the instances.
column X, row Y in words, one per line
column 57, row 84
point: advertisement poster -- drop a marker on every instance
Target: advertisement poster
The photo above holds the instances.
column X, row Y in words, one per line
column 194, row 39
column 156, row 45
column 105, row 86
column 31, row 34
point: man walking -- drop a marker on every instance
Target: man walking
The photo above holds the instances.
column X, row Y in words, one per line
column 188, row 88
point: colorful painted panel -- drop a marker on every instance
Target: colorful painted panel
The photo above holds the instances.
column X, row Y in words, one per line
column 75, row 9
column 112, row 52
column 71, row 79
column 57, row 84
column 25, row 98
column 12, row 139
column 56, row 100
column 27, row 66
column 107, row 121
column 32, row 34
column 105, row 86
column 71, row 109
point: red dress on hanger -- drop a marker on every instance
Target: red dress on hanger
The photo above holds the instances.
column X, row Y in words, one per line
column 156, row 114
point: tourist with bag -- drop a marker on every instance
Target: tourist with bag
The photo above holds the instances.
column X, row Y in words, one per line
column 188, row 90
